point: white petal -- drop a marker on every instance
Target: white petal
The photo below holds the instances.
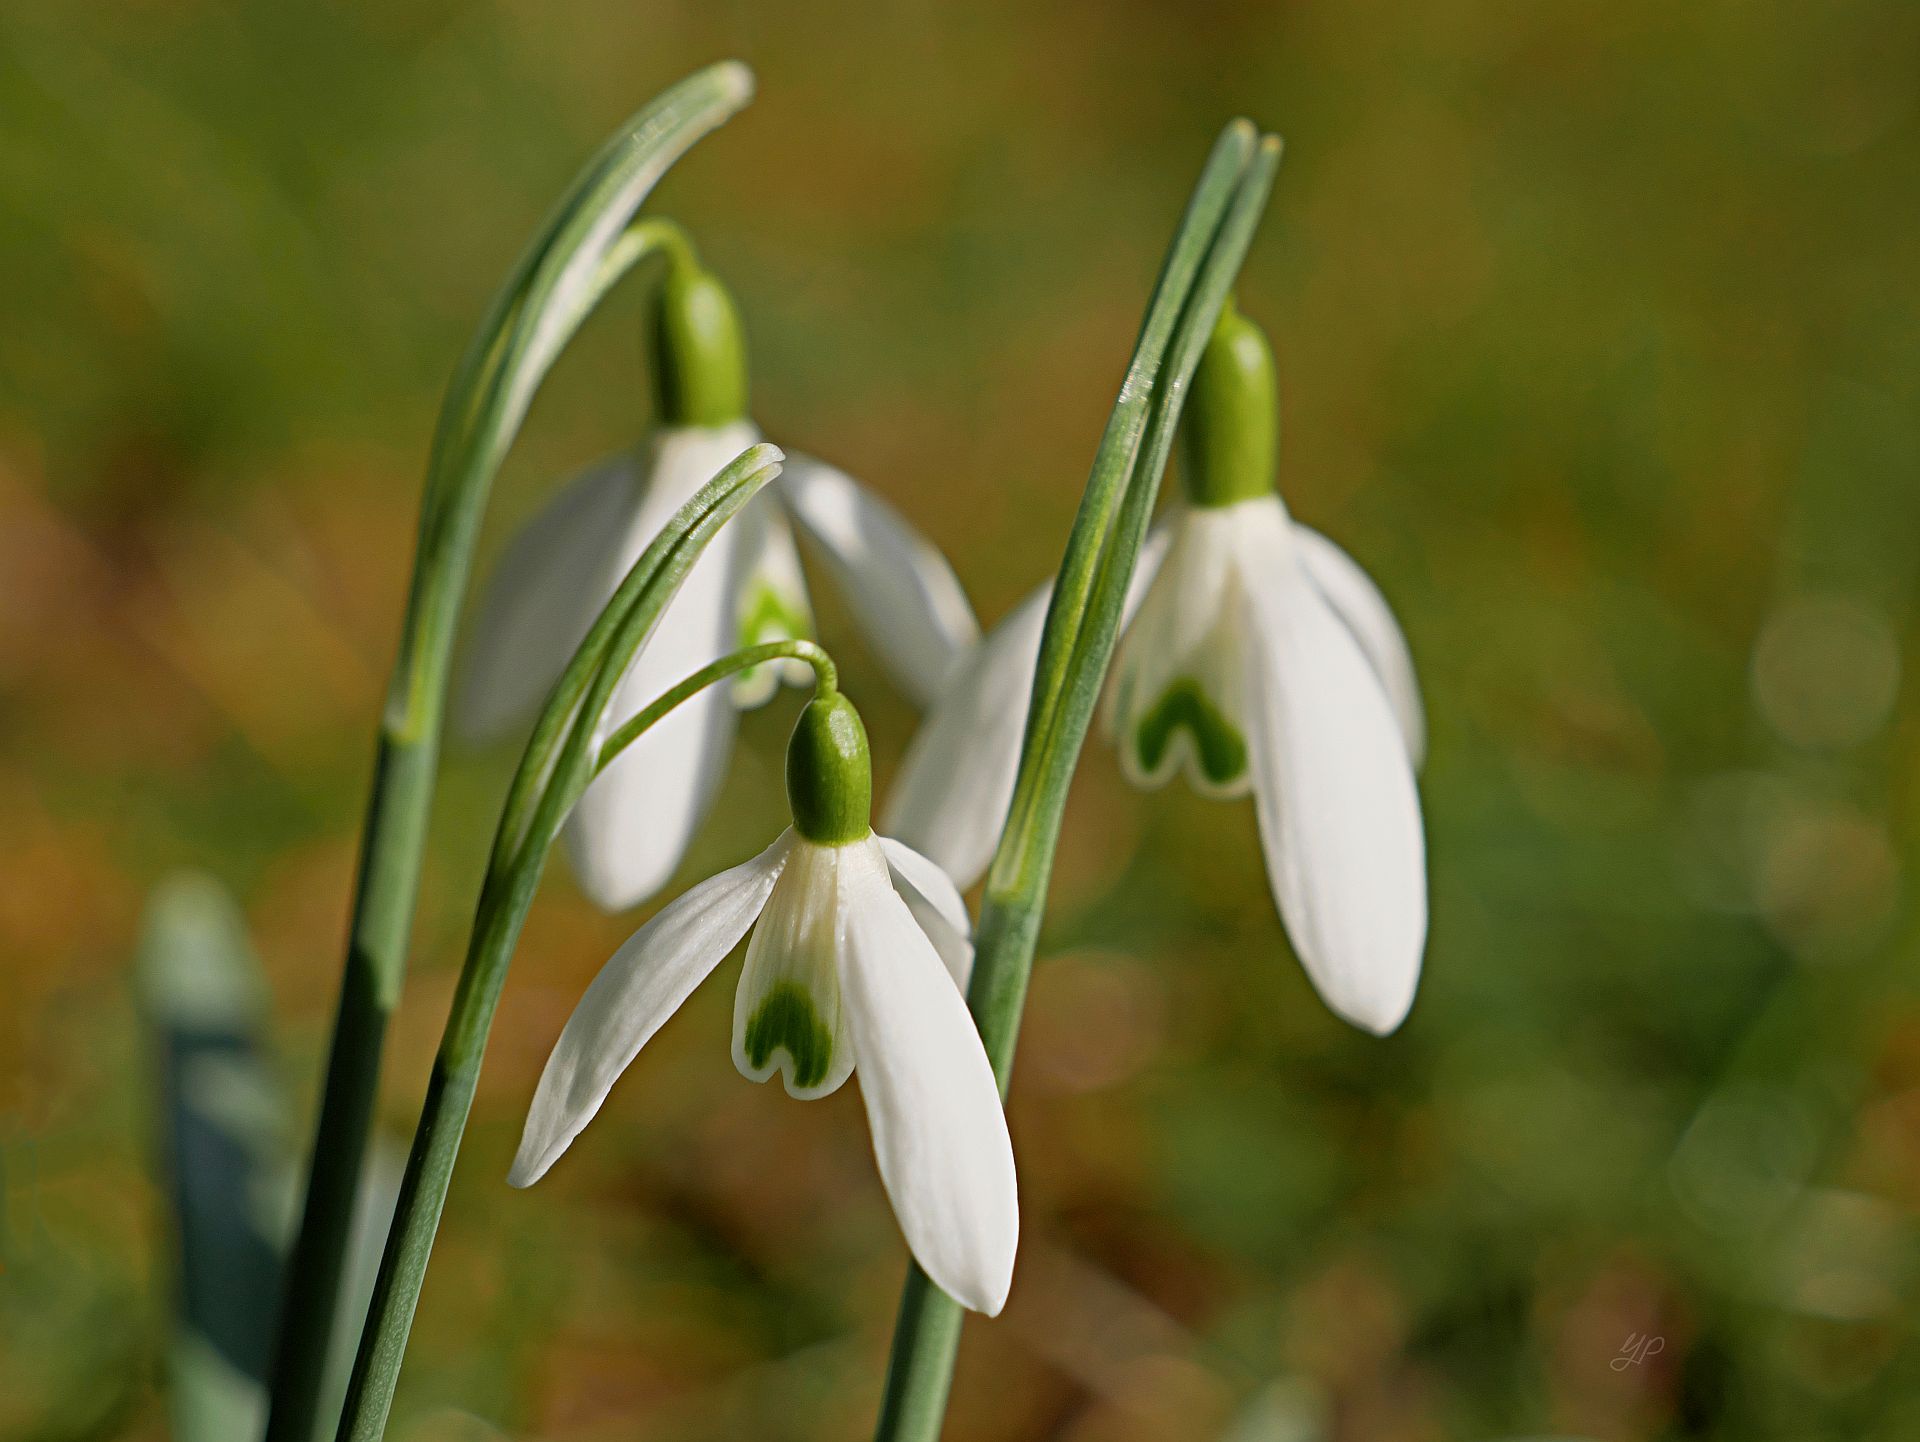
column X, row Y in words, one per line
column 950, row 800
column 1358, row 602
column 939, row 1133
column 787, row 1011
column 1153, row 554
column 936, row 905
column 1334, row 792
column 772, row 602
column 1177, row 695
column 626, row 835
column 549, row 584
column 899, row 588
column 633, row 995
column 951, row 797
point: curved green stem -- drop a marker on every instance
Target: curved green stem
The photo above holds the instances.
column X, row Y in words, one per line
column 826, row 681
column 1082, row 626
column 542, row 746
column 507, row 892
column 585, row 248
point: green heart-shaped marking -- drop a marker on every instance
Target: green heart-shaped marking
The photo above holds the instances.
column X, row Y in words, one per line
column 786, row 1018
column 1216, row 741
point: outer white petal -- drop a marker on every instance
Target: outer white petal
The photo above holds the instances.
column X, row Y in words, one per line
column 936, row 905
column 633, row 995
column 950, row 799
column 629, row 830
column 1153, row 553
column 1334, row 792
column 900, row 589
column 772, row 602
column 1358, row 602
column 939, row 1133
column 543, row 594
column 788, row 1015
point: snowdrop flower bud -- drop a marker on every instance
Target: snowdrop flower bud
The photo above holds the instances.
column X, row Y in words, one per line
column 857, row 959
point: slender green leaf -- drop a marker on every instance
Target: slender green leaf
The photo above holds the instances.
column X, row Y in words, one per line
column 585, row 247
column 545, row 787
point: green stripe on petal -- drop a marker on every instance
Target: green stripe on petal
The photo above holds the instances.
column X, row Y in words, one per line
column 1218, row 749
column 767, row 615
column 787, row 1020
column 771, row 606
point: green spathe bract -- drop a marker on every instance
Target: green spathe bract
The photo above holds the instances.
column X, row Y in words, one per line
column 829, row 773
column 699, row 350
column 1230, row 436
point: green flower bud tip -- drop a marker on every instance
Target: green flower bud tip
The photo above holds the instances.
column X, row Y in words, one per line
column 829, row 773
column 1230, row 435
column 699, row 350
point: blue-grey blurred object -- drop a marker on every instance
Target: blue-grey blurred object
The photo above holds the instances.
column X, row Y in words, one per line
column 220, row 1154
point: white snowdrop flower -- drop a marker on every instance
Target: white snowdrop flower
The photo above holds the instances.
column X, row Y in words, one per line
column 634, row 823
column 858, row 958
column 1256, row 658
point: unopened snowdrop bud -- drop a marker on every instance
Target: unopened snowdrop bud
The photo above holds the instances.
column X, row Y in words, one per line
column 829, row 773
column 700, row 350
column 1230, row 434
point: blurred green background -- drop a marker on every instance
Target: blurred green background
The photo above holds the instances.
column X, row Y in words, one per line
column 1600, row 345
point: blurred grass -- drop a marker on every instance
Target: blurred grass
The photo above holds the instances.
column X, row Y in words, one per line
column 1600, row 345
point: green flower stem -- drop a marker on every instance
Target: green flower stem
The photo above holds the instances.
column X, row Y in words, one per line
column 507, row 892
column 587, row 245
column 826, row 681
column 1083, row 622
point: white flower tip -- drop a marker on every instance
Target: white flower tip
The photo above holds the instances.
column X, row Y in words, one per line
column 616, row 878
column 545, row 1140
column 972, row 1261
column 993, row 1296
column 1377, row 1011
column 735, row 79
column 979, row 1281
column 608, row 893
column 1370, row 987
column 529, row 1164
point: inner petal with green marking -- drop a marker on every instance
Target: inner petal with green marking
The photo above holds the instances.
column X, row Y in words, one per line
column 769, row 611
column 787, row 1013
column 1177, row 702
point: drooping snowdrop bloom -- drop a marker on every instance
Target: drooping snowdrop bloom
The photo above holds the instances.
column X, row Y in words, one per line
column 858, row 959
column 632, row 826
column 1257, row 657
